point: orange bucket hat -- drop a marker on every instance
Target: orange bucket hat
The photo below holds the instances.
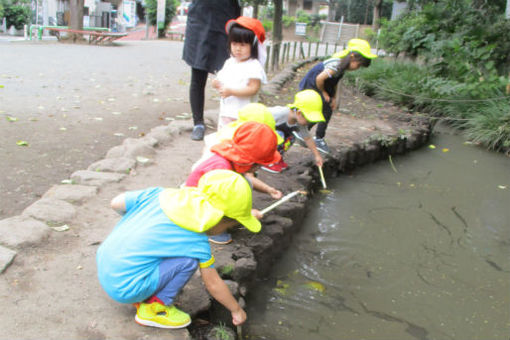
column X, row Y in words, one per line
column 252, row 143
column 252, row 24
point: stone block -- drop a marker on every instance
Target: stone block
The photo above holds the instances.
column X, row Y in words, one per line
column 132, row 148
column 244, row 268
column 162, row 133
column 6, row 257
column 71, row 193
column 95, row 178
column 51, row 210
column 194, row 298
column 121, row 165
column 20, row 231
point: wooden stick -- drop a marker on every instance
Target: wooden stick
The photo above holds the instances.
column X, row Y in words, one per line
column 322, row 177
column 282, row 200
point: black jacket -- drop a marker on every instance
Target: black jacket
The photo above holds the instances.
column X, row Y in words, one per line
column 205, row 44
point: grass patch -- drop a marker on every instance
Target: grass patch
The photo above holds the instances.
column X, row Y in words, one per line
column 479, row 109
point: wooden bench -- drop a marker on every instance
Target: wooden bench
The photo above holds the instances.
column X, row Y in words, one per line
column 95, row 37
column 174, row 35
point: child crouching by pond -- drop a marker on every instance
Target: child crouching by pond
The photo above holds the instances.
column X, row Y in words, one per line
column 162, row 239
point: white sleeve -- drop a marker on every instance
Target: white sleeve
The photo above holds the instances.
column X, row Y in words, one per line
column 254, row 70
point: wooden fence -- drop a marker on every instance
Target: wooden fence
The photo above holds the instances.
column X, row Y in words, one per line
column 278, row 55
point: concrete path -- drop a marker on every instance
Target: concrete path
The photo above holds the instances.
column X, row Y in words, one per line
column 62, row 106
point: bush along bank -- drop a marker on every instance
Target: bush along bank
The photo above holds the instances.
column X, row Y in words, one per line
column 365, row 131
column 481, row 110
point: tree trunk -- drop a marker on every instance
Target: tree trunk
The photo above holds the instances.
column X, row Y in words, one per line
column 76, row 18
column 277, row 32
column 331, row 10
column 366, row 12
column 256, row 10
column 377, row 15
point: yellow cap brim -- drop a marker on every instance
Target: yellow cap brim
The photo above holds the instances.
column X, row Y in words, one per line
column 314, row 116
column 250, row 223
column 367, row 54
column 344, row 53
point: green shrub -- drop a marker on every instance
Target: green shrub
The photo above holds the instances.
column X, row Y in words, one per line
column 268, row 25
column 302, row 16
column 288, row 20
column 17, row 13
column 151, row 6
column 465, row 105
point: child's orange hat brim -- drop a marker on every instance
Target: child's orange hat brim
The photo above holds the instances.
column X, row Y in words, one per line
column 252, row 24
column 252, row 143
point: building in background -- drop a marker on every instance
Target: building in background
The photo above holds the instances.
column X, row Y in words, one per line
column 309, row 6
column 117, row 15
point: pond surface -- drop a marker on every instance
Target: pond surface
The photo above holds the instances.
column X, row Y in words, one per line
column 416, row 248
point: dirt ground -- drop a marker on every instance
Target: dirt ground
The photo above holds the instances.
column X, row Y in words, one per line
column 51, row 291
column 71, row 103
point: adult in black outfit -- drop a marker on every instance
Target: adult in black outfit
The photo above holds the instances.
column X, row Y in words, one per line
column 205, row 50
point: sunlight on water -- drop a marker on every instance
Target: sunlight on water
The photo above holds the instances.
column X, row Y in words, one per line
column 421, row 253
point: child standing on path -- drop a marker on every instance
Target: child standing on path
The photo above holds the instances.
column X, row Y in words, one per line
column 239, row 80
column 324, row 78
column 252, row 144
column 292, row 123
column 161, row 240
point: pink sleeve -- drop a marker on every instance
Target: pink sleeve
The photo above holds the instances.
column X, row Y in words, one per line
column 194, row 177
column 213, row 163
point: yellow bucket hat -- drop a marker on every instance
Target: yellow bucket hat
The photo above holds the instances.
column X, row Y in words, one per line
column 219, row 193
column 256, row 112
column 309, row 102
column 356, row 45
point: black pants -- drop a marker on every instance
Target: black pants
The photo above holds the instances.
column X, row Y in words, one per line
column 197, row 94
column 327, row 112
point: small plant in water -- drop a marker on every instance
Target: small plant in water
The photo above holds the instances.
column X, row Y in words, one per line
column 226, row 270
column 221, row 332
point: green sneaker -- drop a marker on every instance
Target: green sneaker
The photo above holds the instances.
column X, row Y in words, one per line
column 157, row 315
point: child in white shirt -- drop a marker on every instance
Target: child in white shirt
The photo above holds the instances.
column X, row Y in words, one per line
column 240, row 78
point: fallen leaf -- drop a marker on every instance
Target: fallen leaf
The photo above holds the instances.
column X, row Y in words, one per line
column 119, row 134
column 66, row 181
column 133, row 128
column 11, row 119
column 432, row 146
column 142, row 160
column 64, row 227
column 314, row 285
column 63, row 129
column 22, row 143
column 445, row 150
column 502, row 186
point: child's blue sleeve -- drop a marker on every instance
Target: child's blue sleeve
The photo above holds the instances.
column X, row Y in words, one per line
column 132, row 198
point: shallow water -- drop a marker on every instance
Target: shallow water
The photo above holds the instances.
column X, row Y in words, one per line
column 416, row 251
